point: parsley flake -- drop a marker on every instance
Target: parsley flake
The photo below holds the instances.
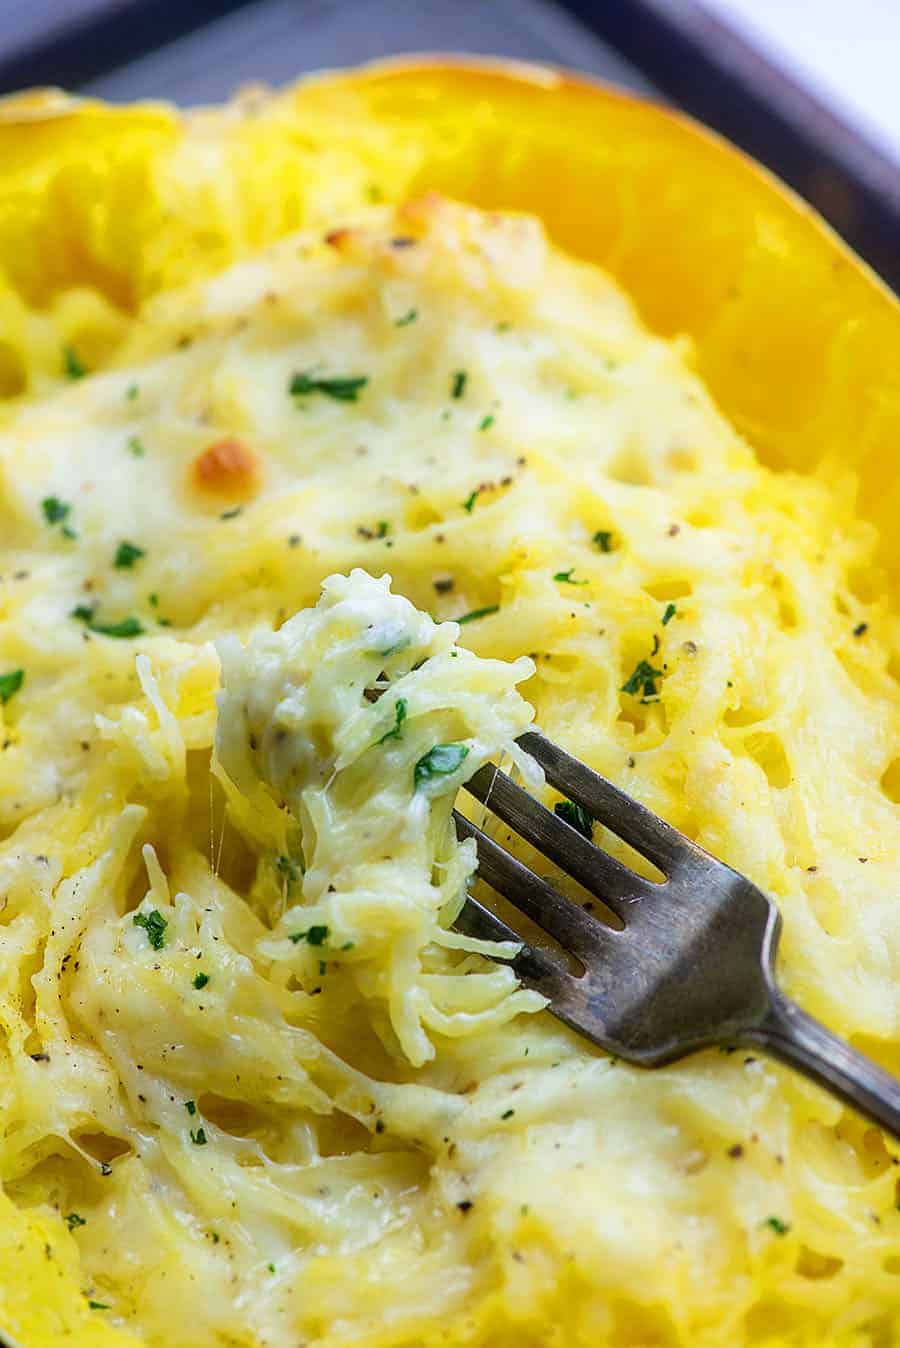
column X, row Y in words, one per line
column 191, row 1107
column 98, row 1305
column 780, row 1227
column 200, row 980
column 10, row 684
column 486, row 422
column 468, row 504
column 131, row 392
column 74, row 1219
column 135, row 447
column 399, row 718
column 669, row 613
column 566, row 577
column 154, row 925
column 507, row 1113
column 439, row 762
column 231, row 514
column 126, row 627
column 72, row 365
column 576, row 816
column 345, row 390
column 458, row 386
column 409, row 317
column 315, row 935
column 603, row 540
column 198, row 1138
column 55, row 510
column 126, row 556
column 643, row 681
column 476, row 613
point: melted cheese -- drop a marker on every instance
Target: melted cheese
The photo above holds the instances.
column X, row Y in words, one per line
column 205, row 1135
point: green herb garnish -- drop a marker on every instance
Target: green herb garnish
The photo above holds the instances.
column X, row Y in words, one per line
column 55, row 510
column 458, row 386
column 478, row 613
column 468, row 504
column 409, row 317
column 486, row 422
column 381, row 529
column 191, row 1107
column 778, row 1226
column 73, row 1219
column 135, row 447
column 71, row 364
column 10, row 684
column 231, row 514
column 98, row 1305
column 200, row 981
column 198, row 1138
column 127, row 627
column 131, row 392
column 576, row 816
column 643, row 680
column 566, row 576
column 154, row 925
column 345, row 390
column 603, row 540
column 315, row 935
column 399, row 718
column 439, row 762
column 669, row 614
column 126, row 556
column 507, row 1113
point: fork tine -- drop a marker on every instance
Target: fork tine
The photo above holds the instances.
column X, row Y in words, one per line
column 532, row 895
column 658, row 841
column 535, row 968
column 600, row 873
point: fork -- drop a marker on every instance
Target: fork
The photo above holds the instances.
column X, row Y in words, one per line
column 693, row 964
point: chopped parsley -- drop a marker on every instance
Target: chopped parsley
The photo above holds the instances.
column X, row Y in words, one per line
column 344, row 390
column 643, row 681
column 478, row 613
column 154, row 925
column 315, row 935
column 231, row 514
column 381, row 529
column 780, row 1227
column 73, row 1219
column 458, row 386
column 576, row 816
column 860, row 629
column 566, row 577
column 131, row 392
column 98, row 1305
column 135, row 447
column 126, row 556
column 83, row 612
column 126, row 627
column 10, row 684
column 55, row 510
column 71, row 364
column 200, row 980
column 287, row 867
column 603, row 540
column 399, row 718
column 198, row 1138
column 439, row 762
column 669, row 614
column 486, row 422
column 270, row 1267
column 468, row 504
column 191, row 1107
column 507, row 1113
column 409, row 317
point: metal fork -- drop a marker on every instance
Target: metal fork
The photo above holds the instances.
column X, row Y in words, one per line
column 693, row 965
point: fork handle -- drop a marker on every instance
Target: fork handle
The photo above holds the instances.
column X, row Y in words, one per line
column 796, row 1038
